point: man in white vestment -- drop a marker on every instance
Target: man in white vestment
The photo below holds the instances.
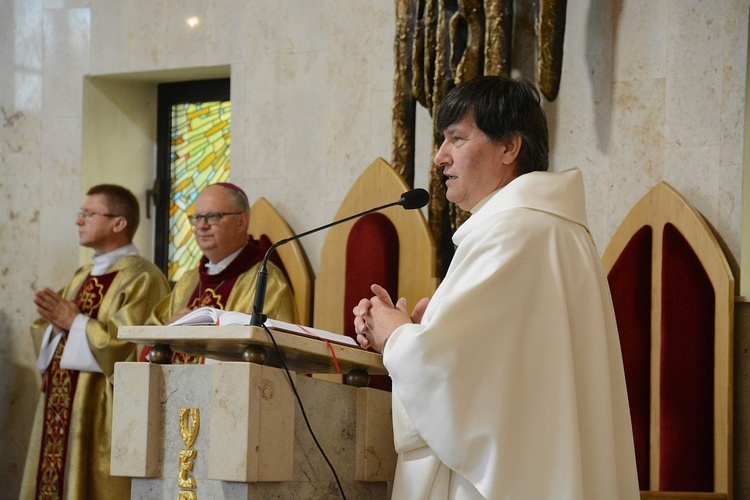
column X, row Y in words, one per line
column 509, row 382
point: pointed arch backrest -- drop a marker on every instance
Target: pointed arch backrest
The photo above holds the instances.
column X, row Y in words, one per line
column 378, row 185
column 673, row 293
column 372, row 256
column 266, row 221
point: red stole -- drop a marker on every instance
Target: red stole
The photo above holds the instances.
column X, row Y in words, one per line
column 213, row 290
column 60, row 388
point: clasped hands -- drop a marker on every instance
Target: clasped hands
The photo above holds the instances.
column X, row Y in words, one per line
column 375, row 319
column 58, row 311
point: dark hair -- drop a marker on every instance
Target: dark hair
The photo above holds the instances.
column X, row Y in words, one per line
column 502, row 108
column 121, row 202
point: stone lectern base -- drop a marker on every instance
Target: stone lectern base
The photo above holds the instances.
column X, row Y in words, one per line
column 232, row 430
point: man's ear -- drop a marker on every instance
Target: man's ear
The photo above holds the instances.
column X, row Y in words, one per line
column 121, row 223
column 512, row 149
column 244, row 220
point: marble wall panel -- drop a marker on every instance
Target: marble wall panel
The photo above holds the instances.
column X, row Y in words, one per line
column 237, row 86
column 147, row 42
column 732, row 118
column 20, row 34
column 694, row 44
column 314, row 150
column 311, row 25
column 734, row 54
column 693, row 105
column 110, row 32
column 579, row 119
column 20, row 163
column 640, row 42
column 637, row 152
column 374, row 32
column 65, row 4
column 691, row 171
column 728, row 222
column 19, row 226
column 66, row 60
column 60, row 188
column 268, row 19
column 693, row 111
column 185, row 43
column 227, row 33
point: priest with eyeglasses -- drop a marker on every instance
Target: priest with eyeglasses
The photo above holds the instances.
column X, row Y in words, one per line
column 77, row 345
column 227, row 273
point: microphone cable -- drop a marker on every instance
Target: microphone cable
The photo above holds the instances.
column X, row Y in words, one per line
column 302, row 409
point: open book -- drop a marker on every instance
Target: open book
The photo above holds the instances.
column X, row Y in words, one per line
column 213, row 316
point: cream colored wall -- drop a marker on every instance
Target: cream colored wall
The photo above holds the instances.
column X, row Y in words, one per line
column 119, row 127
column 651, row 90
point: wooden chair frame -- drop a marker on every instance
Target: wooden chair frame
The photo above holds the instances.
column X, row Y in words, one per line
column 378, row 185
column 663, row 205
column 266, row 220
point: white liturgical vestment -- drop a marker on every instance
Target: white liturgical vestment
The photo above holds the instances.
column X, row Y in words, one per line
column 512, row 387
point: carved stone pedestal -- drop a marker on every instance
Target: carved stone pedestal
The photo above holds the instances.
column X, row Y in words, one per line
column 233, row 430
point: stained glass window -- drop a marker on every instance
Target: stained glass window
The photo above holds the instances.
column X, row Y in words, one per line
column 199, row 157
column 193, row 152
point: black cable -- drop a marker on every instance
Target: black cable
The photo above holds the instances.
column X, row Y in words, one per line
column 302, row 408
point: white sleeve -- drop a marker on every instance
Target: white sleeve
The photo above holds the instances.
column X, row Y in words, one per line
column 77, row 354
column 48, row 348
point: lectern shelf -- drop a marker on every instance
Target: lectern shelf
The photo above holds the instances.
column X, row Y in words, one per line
column 227, row 343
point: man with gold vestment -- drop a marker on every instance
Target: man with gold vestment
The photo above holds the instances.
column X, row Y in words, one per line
column 228, row 271
column 69, row 452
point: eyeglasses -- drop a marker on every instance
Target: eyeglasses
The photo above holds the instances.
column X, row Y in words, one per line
column 211, row 219
column 87, row 214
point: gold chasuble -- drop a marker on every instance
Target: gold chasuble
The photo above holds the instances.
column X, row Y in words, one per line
column 69, row 450
column 232, row 289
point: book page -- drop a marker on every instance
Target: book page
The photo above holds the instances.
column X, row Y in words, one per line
column 200, row 316
column 309, row 331
column 234, row 318
column 214, row 316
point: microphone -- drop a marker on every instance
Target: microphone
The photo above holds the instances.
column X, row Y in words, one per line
column 414, row 198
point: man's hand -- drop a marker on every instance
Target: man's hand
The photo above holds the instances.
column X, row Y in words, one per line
column 58, row 311
column 419, row 309
column 376, row 318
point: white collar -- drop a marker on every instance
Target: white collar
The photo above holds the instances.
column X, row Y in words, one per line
column 483, row 201
column 558, row 193
column 103, row 262
column 222, row 264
